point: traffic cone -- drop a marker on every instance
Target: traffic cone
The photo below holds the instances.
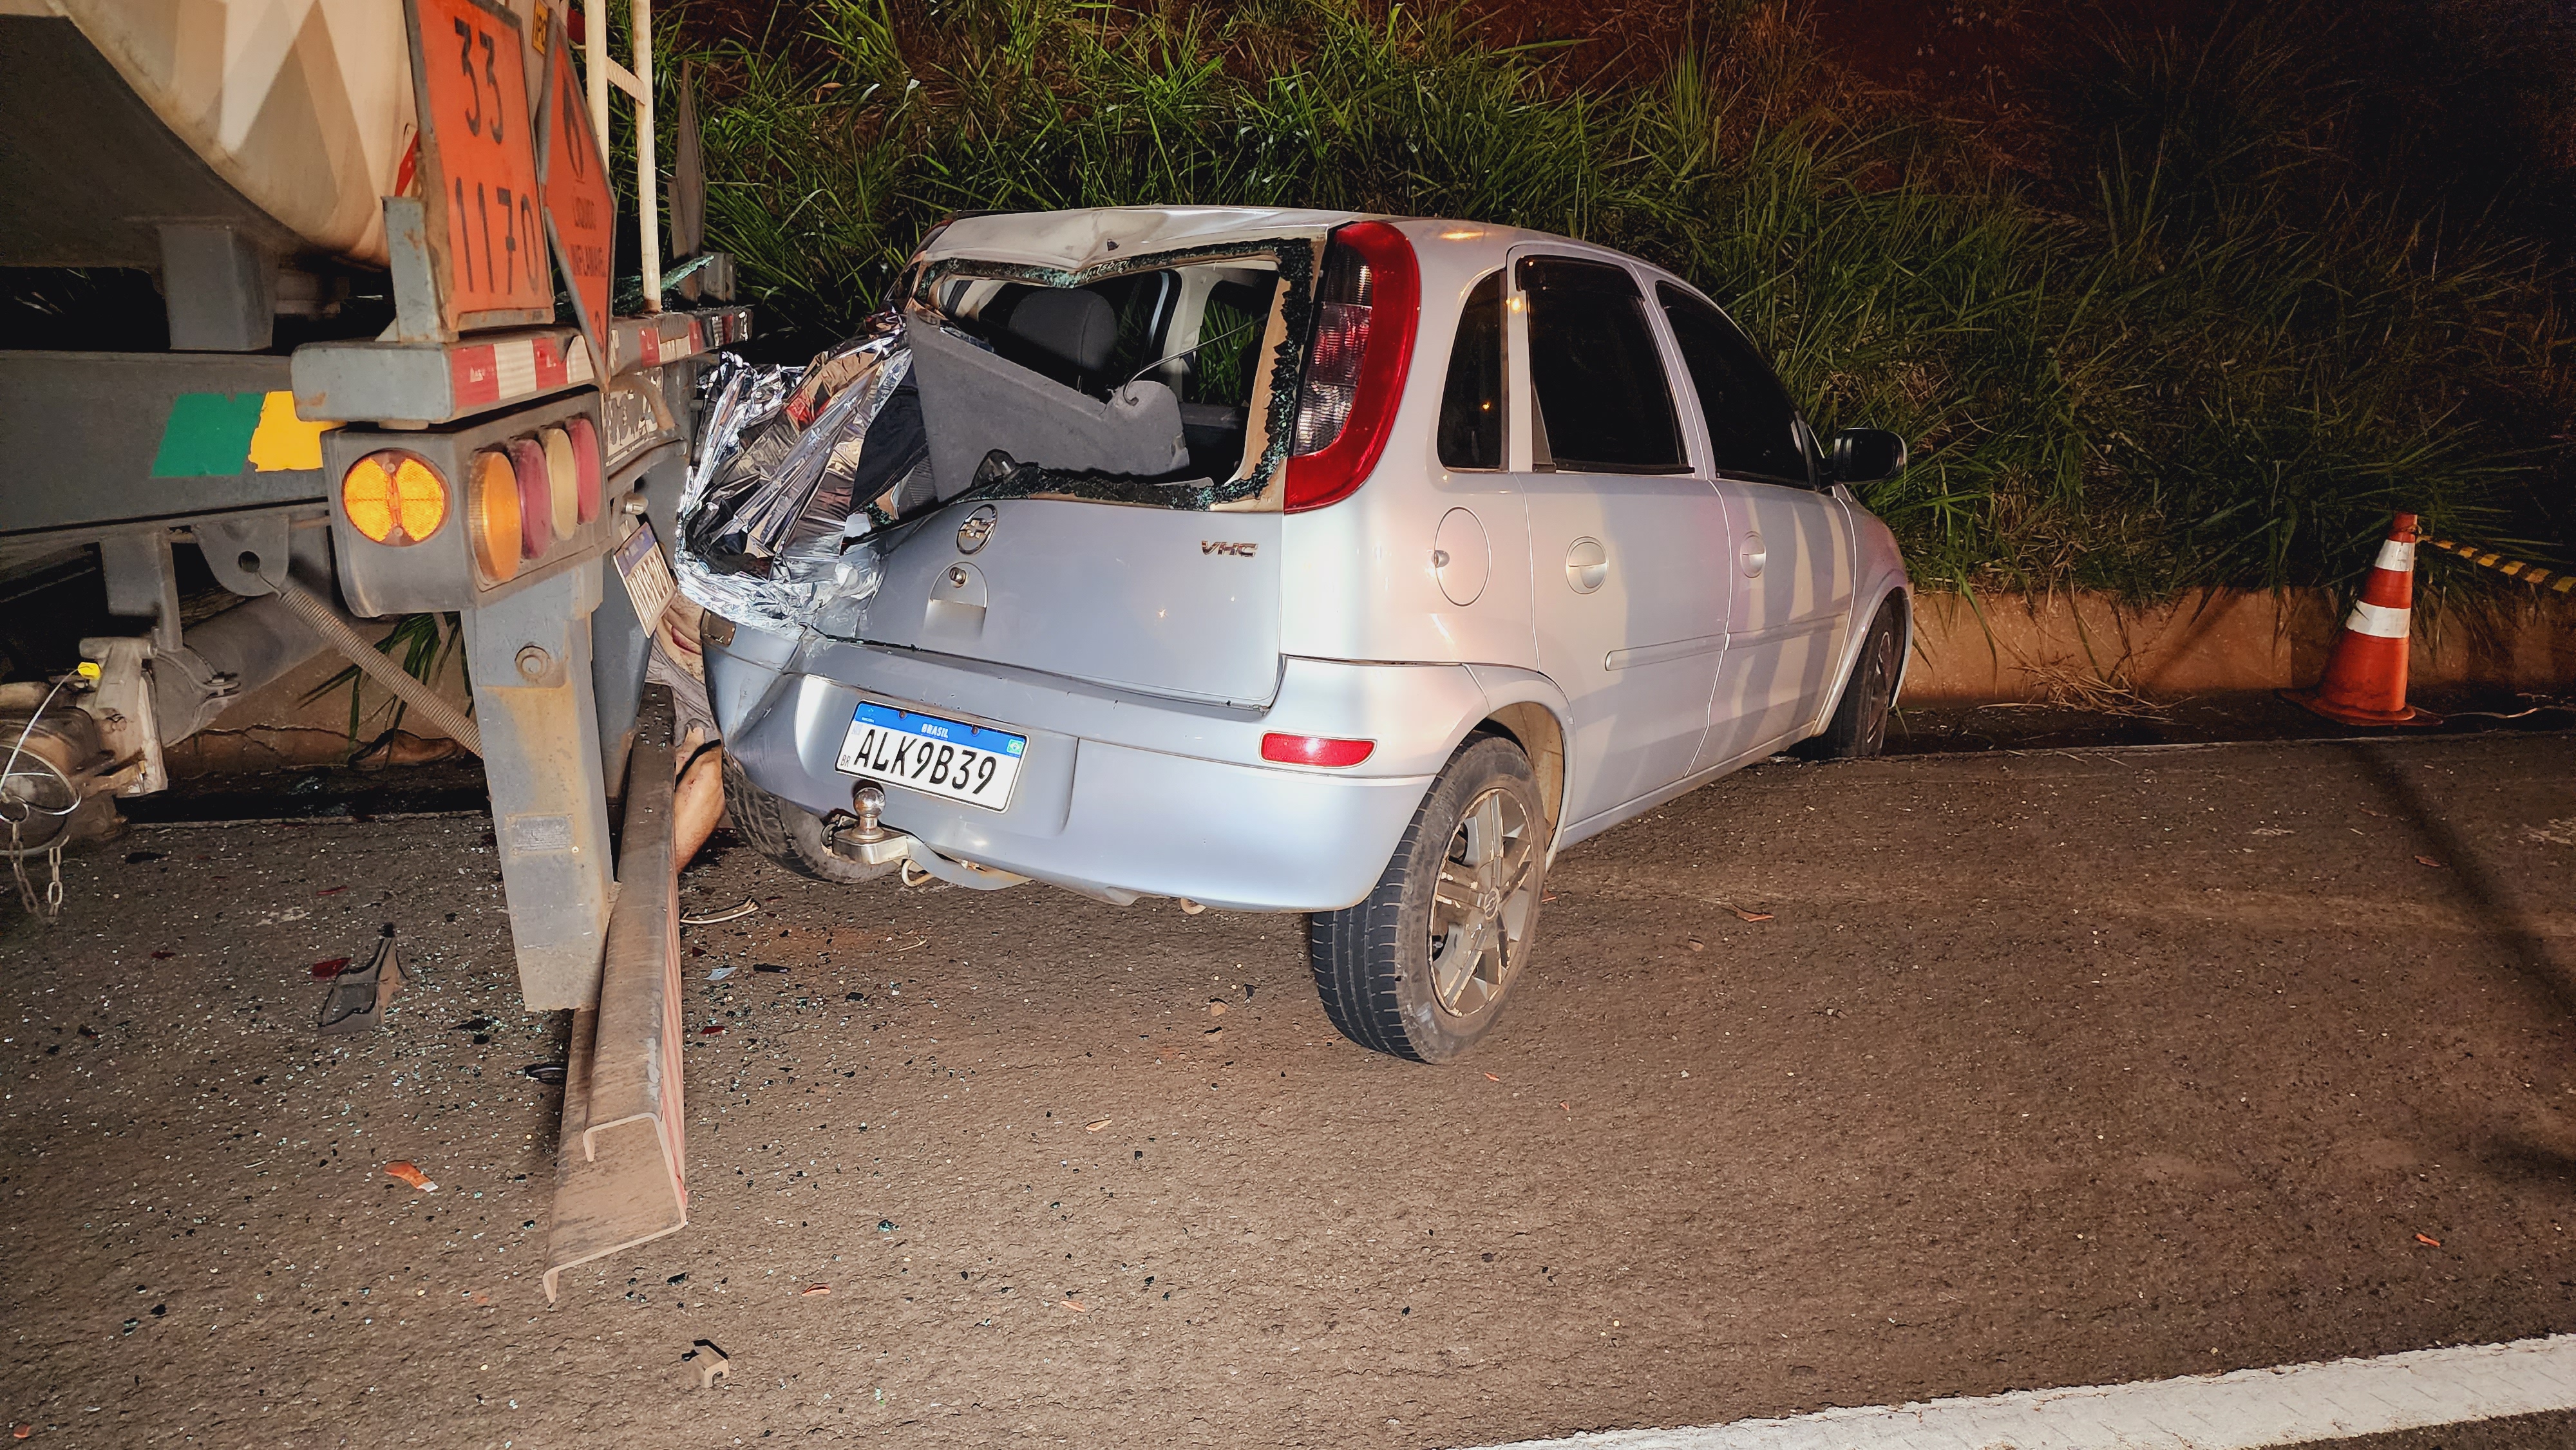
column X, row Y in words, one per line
column 2365, row 679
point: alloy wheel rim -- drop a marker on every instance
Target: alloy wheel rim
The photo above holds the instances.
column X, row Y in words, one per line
column 1481, row 906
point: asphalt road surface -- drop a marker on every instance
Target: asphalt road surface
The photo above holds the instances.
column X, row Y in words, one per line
column 2037, row 1069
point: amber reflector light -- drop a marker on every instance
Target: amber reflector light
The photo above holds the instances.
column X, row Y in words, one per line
column 394, row 497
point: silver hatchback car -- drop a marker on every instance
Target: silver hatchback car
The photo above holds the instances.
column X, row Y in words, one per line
column 1303, row 561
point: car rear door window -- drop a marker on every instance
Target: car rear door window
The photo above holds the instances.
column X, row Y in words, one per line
column 1471, row 405
column 1752, row 426
column 1603, row 403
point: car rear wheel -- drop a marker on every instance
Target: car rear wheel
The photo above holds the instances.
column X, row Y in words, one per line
column 786, row 832
column 1420, row 968
column 1859, row 727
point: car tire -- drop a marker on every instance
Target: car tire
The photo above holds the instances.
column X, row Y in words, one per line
column 1395, row 971
column 786, row 832
column 1858, row 729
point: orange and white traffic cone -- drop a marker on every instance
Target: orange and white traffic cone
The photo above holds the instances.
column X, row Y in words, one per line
column 2365, row 679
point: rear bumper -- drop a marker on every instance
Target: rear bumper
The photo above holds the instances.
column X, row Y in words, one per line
column 1121, row 792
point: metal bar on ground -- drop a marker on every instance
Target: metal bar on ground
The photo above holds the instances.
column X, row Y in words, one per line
column 621, row 1162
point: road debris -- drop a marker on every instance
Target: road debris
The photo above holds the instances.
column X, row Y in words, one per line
column 1744, row 915
column 1489, row 1077
column 731, row 913
column 768, row 967
column 549, row 1073
column 708, row 1363
column 1076, row 1305
column 2428, row 861
column 1695, row 944
column 322, row 971
column 411, row 1175
column 812, row 1291
column 2428, row 1241
column 1094, row 1127
column 719, row 974
column 359, row 999
column 1215, row 1008
column 1190, row 908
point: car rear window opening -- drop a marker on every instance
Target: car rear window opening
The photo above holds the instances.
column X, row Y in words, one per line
column 1150, row 384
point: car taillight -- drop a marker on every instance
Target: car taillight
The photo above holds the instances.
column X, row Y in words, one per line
column 493, row 515
column 394, row 497
column 1314, row 749
column 1366, row 306
column 585, row 458
column 536, row 497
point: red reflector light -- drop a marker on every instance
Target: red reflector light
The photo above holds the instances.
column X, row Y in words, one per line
column 1366, row 305
column 1314, row 750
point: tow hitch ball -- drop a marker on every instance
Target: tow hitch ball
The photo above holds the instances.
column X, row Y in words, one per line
column 867, row 802
column 859, row 833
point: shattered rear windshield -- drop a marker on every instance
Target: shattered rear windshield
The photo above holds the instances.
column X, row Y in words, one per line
column 1220, row 328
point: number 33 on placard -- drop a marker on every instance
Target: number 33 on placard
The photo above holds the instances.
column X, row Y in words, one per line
column 478, row 162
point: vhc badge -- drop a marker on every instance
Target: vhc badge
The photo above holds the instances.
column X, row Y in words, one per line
column 977, row 528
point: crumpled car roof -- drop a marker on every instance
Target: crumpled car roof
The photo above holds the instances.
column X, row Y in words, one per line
column 1074, row 239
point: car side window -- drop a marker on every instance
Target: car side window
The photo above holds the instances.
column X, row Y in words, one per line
column 1603, row 403
column 1471, row 404
column 1752, row 426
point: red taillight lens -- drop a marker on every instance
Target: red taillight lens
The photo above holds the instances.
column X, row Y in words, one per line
column 1314, row 750
column 585, row 457
column 1366, row 306
column 536, row 498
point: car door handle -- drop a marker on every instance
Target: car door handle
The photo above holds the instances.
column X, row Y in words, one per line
column 1586, row 565
column 1752, row 554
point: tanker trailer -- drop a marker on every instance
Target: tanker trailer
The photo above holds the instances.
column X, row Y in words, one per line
column 340, row 338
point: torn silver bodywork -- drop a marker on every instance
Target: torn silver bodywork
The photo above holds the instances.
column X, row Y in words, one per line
column 1039, row 399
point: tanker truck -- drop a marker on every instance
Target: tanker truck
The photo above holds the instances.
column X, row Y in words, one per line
column 386, row 376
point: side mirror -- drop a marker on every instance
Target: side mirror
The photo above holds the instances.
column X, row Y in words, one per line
column 1866, row 455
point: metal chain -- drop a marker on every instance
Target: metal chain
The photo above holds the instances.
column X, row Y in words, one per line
column 50, row 907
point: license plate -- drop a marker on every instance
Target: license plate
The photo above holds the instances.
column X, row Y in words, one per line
column 928, row 753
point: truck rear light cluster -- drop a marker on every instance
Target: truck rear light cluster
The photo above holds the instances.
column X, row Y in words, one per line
column 532, row 493
column 1367, row 304
column 394, row 497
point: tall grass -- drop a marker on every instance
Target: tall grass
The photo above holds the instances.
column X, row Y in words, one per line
column 2223, row 362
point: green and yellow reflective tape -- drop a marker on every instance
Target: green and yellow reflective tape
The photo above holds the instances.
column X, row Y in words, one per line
column 218, row 435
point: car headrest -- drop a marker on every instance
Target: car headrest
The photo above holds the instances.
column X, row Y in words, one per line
column 1077, row 327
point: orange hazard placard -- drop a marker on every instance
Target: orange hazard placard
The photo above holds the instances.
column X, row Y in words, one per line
column 580, row 214
column 478, row 164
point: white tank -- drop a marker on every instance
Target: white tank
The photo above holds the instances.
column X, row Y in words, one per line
column 304, row 106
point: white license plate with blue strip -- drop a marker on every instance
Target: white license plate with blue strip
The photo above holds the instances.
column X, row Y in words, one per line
column 933, row 754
